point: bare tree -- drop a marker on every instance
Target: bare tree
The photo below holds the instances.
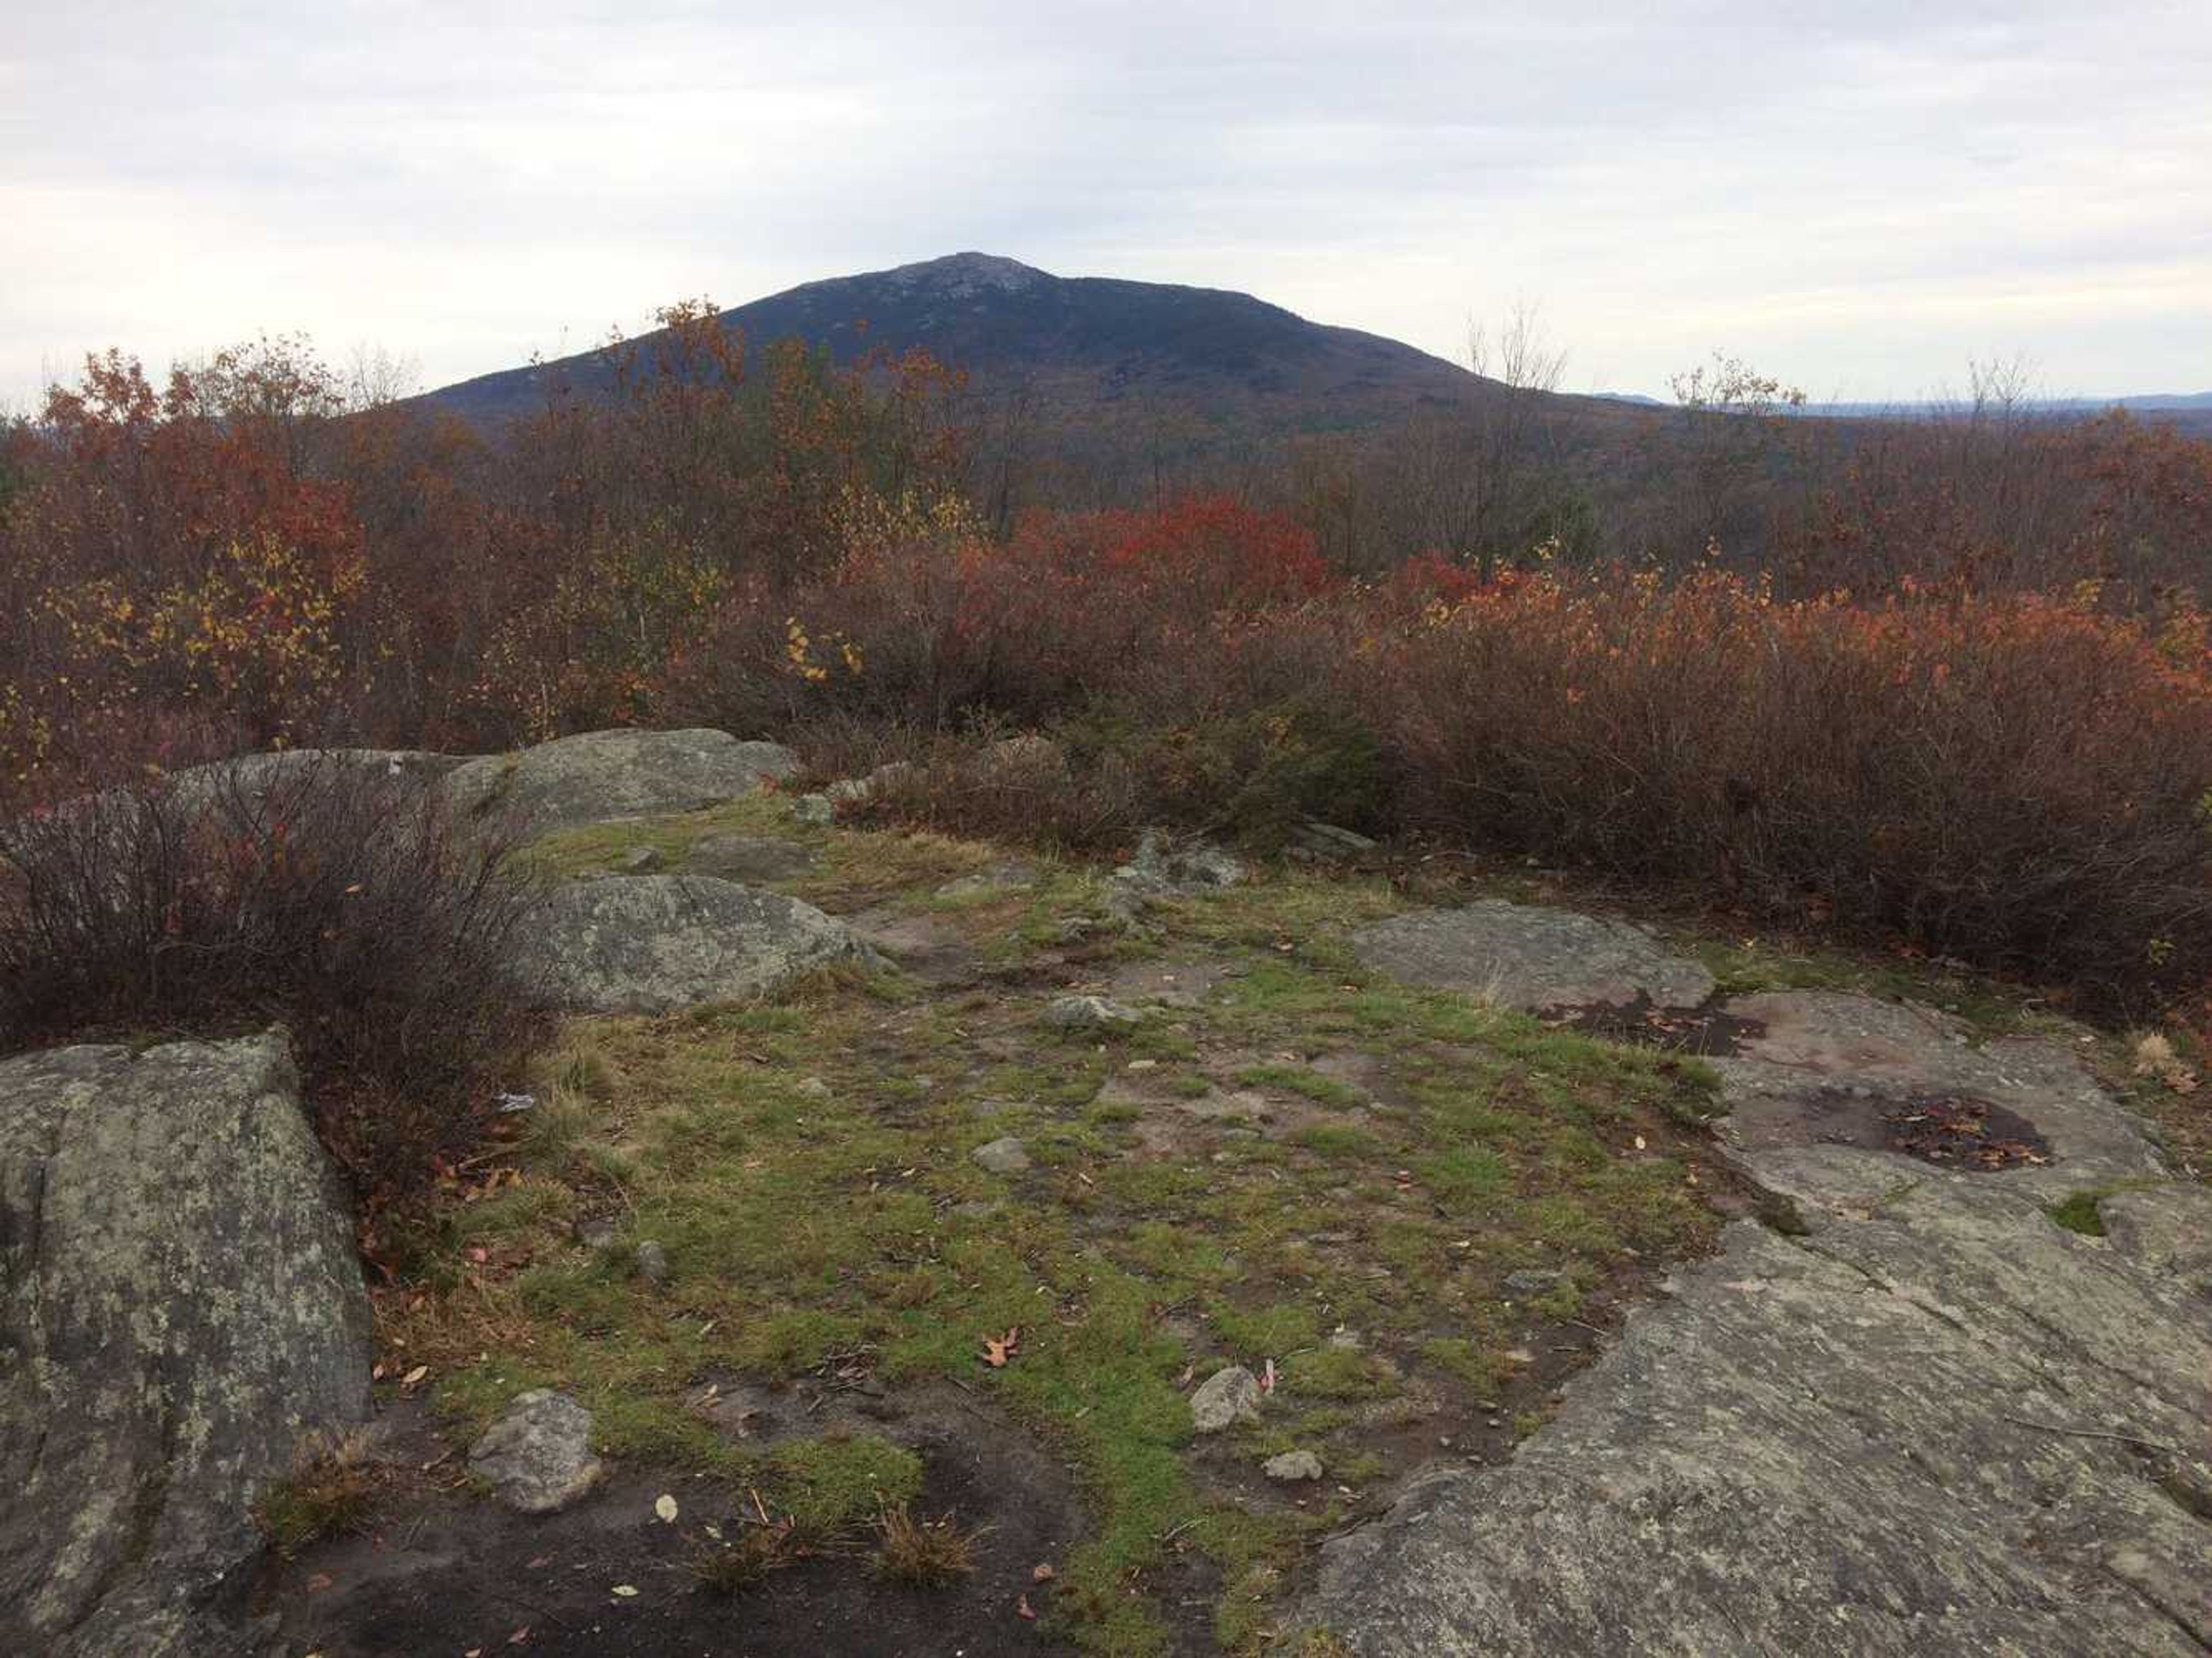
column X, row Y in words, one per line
column 1470, row 480
column 1734, row 426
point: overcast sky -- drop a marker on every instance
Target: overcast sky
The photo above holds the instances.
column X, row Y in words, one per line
column 1858, row 197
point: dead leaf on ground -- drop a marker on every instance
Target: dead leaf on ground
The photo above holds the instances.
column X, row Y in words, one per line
column 997, row 1350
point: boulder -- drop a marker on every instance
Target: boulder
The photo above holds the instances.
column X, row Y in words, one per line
column 603, row 776
column 180, row 1309
column 1929, row 1420
column 749, row 859
column 1292, row 1466
column 1160, row 865
column 646, row 943
column 1527, row 956
column 1315, row 841
column 537, row 1458
column 253, row 775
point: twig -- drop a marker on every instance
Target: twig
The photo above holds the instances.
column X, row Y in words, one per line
column 2095, row 1433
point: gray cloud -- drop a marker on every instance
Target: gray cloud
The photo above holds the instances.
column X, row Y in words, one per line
column 1861, row 202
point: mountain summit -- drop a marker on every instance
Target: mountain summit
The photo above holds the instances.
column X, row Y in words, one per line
column 1069, row 344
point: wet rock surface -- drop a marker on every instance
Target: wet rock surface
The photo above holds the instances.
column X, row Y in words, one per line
column 180, row 1306
column 1936, row 1421
column 646, row 944
column 1527, row 956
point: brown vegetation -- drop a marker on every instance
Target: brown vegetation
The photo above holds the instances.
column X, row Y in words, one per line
column 1942, row 681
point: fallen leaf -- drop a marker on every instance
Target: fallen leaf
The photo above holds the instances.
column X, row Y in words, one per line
column 518, row 1637
column 665, row 1506
column 1639, row 1142
column 1022, row 1608
column 413, row 1375
column 319, row 1582
column 1043, row 1574
column 539, row 1564
column 997, row 1352
column 626, row 1591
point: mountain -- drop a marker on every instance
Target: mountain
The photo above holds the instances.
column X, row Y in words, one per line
column 1209, row 363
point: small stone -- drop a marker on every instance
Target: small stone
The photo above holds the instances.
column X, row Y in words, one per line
column 638, row 860
column 537, row 1457
column 1225, row 1399
column 1091, row 1013
column 814, row 1088
column 1003, row 1155
column 1345, row 1341
column 595, row 1233
column 813, row 809
column 1292, row 1466
column 652, row 1262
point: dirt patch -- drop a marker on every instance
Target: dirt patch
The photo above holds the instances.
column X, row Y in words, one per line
column 1172, row 984
column 1706, row 1030
column 446, row 1573
column 930, row 947
column 1963, row 1134
column 1951, row 1131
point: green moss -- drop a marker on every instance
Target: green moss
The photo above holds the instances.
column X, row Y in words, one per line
column 1264, row 1331
column 2078, row 1214
column 1482, row 1368
column 1341, row 1373
column 1297, row 1079
column 1340, row 1140
column 829, row 1485
column 803, row 1165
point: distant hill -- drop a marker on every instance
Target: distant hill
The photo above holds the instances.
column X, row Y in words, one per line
column 1205, row 361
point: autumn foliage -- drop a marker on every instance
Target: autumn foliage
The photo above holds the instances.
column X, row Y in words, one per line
column 1961, row 702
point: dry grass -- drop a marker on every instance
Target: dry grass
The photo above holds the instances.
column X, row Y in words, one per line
column 930, row 1554
column 731, row 1568
column 331, row 1490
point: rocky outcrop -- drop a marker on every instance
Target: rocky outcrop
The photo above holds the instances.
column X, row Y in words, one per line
column 180, row 1305
column 1525, row 955
column 749, row 859
column 1935, row 1422
column 649, row 943
column 603, row 776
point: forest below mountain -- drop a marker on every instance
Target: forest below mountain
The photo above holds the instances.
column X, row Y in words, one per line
column 1943, row 681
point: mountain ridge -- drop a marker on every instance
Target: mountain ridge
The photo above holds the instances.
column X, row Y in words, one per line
column 1078, row 339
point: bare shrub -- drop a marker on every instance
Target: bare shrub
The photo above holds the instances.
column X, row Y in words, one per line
column 312, row 890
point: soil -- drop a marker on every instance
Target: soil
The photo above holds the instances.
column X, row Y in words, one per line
column 445, row 1572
